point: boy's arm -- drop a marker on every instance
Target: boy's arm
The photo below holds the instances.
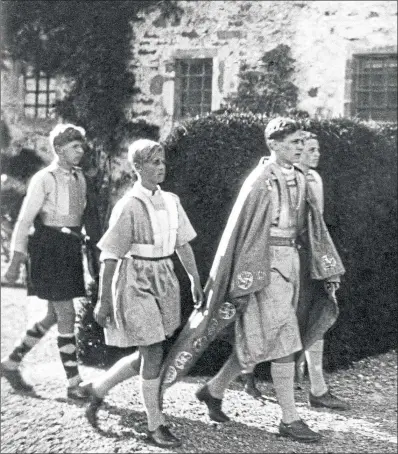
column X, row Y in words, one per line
column 187, row 258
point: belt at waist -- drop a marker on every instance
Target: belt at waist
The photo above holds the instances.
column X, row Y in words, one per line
column 68, row 231
column 280, row 241
column 150, row 258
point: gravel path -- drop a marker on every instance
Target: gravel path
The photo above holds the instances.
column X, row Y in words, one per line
column 49, row 423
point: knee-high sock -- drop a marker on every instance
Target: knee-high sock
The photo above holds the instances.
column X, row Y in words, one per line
column 150, row 398
column 32, row 337
column 68, row 354
column 283, row 379
column 314, row 356
column 228, row 372
column 122, row 370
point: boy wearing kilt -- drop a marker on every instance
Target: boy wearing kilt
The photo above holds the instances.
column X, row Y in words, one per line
column 54, row 205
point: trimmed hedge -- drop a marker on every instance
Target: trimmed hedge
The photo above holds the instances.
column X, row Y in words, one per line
column 209, row 158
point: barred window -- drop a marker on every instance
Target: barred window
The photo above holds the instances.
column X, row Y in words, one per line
column 40, row 95
column 193, row 87
column 375, row 87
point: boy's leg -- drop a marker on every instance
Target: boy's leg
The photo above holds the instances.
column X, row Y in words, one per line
column 11, row 363
column 320, row 395
column 158, row 431
column 282, row 372
column 212, row 393
column 67, row 346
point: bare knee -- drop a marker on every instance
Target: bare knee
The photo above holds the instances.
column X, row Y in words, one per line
column 66, row 316
column 152, row 356
column 50, row 318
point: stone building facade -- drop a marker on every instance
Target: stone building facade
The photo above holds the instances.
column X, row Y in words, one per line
column 341, row 49
column 345, row 63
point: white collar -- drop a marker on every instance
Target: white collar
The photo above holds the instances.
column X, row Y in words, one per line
column 146, row 191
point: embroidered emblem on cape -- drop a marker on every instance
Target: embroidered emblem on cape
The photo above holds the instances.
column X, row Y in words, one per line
column 212, row 327
column 199, row 343
column 245, row 280
column 227, row 311
column 328, row 262
column 261, row 275
column 171, row 375
column 182, row 359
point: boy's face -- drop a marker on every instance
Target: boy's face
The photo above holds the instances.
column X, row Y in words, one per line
column 289, row 149
column 153, row 171
column 71, row 153
column 311, row 154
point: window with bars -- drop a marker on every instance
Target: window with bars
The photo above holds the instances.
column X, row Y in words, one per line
column 193, row 87
column 375, row 87
column 40, row 95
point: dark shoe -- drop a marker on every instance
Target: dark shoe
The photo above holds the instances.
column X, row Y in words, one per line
column 15, row 379
column 95, row 403
column 163, row 437
column 77, row 393
column 213, row 405
column 250, row 386
column 299, row 431
column 328, row 400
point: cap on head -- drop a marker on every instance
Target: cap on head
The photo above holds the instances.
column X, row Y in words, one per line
column 65, row 133
column 280, row 127
column 141, row 151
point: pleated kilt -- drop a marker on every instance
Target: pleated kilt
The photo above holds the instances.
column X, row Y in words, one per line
column 55, row 264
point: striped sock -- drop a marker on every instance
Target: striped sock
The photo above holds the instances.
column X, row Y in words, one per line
column 32, row 337
column 68, row 353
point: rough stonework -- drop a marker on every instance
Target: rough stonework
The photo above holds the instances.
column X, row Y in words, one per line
column 322, row 36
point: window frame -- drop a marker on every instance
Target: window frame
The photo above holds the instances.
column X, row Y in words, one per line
column 369, row 111
column 179, row 104
column 38, row 77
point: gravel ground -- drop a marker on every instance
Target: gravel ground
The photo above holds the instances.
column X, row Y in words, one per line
column 49, row 423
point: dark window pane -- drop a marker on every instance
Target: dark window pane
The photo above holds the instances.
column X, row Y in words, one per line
column 378, row 99
column 196, row 68
column 374, row 87
column 207, row 82
column 195, row 83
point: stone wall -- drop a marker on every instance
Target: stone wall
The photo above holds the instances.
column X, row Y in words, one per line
column 31, row 133
column 323, row 36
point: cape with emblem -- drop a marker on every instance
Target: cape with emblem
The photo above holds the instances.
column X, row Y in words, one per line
column 242, row 266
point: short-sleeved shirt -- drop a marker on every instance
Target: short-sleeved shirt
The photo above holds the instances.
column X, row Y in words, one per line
column 130, row 224
column 58, row 195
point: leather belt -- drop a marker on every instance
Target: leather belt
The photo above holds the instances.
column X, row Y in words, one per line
column 154, row 259
column 281, row 241
column 69, row 231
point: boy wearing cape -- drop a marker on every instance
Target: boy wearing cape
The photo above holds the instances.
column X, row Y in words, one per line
column 255, row 278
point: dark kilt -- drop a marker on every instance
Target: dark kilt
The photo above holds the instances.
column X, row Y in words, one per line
column 55, row 264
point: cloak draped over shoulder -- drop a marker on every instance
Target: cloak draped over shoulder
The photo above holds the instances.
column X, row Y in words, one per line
column 242, row 267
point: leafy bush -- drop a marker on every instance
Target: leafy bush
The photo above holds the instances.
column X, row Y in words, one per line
column 268, row 88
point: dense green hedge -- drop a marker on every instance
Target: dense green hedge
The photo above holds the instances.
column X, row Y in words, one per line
column 208, row 159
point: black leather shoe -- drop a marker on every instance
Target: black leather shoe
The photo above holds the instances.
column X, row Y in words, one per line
column 213, row 405
column 299, row 431
column 15, row 379
column 250, row 386
column 95, row 403
column 163, row 437
column 328, row 400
